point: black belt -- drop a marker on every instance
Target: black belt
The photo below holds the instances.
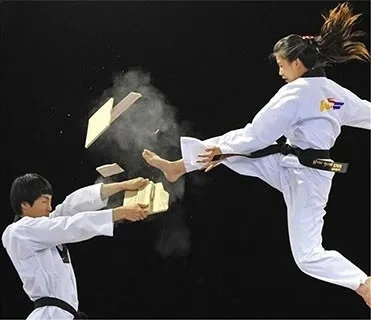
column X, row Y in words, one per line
column 312, row 158
column 55, row 302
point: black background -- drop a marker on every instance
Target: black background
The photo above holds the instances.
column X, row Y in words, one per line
column 215, row 253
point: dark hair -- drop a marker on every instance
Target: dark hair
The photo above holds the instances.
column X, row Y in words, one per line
column 336, row 42
column 27, row 188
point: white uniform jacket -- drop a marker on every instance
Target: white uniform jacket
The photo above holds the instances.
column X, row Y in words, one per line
column 309, row 112
column 32, row 247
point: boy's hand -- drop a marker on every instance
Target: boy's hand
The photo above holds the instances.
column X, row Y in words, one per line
column 134, row 184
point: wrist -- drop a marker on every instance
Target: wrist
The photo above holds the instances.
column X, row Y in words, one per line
column 118, row 214
column 123, row 186
column 110, row 189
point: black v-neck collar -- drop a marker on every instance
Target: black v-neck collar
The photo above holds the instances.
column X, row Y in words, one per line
column 318, row 72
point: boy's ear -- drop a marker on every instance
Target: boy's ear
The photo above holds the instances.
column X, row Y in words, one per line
column 25, row 205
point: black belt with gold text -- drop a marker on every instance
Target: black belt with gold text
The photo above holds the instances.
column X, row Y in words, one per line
column 312, row 158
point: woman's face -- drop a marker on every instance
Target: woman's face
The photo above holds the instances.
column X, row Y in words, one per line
column 289, row 71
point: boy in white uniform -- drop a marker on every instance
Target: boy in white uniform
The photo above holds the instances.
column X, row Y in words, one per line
column 309, row 111
column 35, row 241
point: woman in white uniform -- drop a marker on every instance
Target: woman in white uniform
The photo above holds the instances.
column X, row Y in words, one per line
column 309, row 111
column 35, row 241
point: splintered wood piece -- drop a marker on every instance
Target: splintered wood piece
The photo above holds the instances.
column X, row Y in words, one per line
column 153, row 194
column 124, row 104
column 108, row 170
column 98, row 123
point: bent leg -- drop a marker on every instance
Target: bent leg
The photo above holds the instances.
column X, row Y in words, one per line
column 306, row 196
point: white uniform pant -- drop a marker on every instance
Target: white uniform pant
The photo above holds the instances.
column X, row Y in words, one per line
column 49, row 312
column 305, row 192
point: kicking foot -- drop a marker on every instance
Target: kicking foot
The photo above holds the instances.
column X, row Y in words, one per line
column 171, row 169
column 364, row 291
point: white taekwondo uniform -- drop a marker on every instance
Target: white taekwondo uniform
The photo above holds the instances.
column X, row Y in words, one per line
column 309, row 112
column 31, row 244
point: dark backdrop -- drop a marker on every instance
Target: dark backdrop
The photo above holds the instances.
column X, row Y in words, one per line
column 222, row 249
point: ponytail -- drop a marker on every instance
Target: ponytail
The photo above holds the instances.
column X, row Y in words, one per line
column 337, row 41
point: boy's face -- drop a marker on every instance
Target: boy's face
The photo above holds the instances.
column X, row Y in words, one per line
column 40, row 208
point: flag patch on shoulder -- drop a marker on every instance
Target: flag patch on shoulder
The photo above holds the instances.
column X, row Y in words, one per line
column 329, row 104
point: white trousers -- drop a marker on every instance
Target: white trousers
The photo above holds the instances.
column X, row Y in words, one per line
column 305, row 191
column 49, row 313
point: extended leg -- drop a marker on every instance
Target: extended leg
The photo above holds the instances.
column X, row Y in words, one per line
column 266, row 168
column 172, row 170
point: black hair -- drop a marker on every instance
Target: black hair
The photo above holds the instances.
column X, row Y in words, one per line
column 336, row 43
column 27, row 188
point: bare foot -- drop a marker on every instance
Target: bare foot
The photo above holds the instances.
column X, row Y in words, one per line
column 172, row 170
column 364, row 291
